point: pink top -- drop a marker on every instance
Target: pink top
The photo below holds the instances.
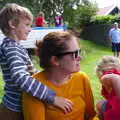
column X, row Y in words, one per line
column 58, row 21
column 112, row 111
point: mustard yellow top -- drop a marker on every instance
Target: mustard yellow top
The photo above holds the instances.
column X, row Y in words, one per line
column 77, row 89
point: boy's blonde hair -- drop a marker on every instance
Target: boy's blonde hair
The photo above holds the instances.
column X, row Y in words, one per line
column 13, row 12
column 107, row 63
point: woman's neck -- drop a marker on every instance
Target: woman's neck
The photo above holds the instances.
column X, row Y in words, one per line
column 57, row 77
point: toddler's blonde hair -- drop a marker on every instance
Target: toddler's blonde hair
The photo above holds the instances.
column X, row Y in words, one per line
column 107, row 63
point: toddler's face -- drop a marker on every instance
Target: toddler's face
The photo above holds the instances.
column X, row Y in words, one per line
column 106, row 82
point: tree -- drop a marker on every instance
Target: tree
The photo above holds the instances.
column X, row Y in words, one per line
column 85, row 12
column 81, row 15
column 76, row 12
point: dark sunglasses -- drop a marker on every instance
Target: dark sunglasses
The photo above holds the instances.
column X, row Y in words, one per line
column 74, row 54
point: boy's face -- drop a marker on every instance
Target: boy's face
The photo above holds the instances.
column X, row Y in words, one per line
column 22, row 29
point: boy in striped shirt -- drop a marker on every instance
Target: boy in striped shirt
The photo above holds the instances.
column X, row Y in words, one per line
column 15, row 23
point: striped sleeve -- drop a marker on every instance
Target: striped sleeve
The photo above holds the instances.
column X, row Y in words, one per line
column 21, row 77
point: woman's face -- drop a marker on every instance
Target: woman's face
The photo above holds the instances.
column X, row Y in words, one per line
column 70, row 62
column 22, row 29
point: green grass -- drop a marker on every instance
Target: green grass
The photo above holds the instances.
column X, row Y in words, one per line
column 1, row 87
column 91, row 54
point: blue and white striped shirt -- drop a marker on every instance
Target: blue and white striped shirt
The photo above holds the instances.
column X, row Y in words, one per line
column 14, row 62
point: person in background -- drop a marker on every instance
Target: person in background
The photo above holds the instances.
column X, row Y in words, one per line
column 59, row 56
column 58, row 20
column 109, row 107
column 15, row 22
column 40, row 20
column 114, row 36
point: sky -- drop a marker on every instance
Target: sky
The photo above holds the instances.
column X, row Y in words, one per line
column 105, row 3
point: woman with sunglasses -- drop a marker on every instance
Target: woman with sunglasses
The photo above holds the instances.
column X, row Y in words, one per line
column 59, row 56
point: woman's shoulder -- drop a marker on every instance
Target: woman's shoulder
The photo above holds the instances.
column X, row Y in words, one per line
column 80, row 73
column 81, row 79
column 38, row 74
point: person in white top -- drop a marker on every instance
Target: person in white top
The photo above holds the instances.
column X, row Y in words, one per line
column 114, row 36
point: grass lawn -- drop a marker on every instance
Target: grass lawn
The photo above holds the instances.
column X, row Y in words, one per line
column 1, row 87
column 91, row 54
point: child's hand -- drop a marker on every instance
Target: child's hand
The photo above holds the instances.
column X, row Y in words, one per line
column 112, row 80
column 64, row 104
column 100, row 108
column 106, row 81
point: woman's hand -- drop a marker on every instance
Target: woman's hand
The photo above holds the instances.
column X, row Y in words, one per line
column 65, row 104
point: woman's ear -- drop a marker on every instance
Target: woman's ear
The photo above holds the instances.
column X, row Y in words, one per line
column 11, row 24
column 54, row 61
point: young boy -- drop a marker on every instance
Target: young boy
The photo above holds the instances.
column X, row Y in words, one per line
column 15, row 22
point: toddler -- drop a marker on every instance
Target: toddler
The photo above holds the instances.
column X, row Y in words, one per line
column 108, row 72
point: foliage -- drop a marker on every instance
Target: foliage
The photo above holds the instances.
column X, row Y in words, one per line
column 81, row 15
column 75, row 12
column 109, row 19
column 84, row 13
column 49, row 7
column 102, row 19
column 117, row 18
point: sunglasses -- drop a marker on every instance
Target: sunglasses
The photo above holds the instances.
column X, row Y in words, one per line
column 75, row 54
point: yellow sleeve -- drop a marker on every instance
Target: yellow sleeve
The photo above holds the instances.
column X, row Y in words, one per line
column 33, row 109
column 89, row 100
column 95, row 118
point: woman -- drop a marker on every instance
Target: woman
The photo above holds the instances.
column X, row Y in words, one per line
column 59, row 56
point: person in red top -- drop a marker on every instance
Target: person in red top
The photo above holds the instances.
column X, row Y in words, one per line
column 40, row 20
column 109, row 108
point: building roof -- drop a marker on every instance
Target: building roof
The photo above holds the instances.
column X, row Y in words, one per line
column 107, row 10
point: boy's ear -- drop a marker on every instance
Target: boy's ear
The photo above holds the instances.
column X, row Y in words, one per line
column 11, row 24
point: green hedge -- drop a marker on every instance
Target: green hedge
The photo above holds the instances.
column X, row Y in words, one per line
column 109, row 19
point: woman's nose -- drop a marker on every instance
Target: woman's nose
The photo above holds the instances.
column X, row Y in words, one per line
column 79, row 58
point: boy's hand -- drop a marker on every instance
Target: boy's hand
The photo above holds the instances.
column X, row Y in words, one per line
column 65, row 104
